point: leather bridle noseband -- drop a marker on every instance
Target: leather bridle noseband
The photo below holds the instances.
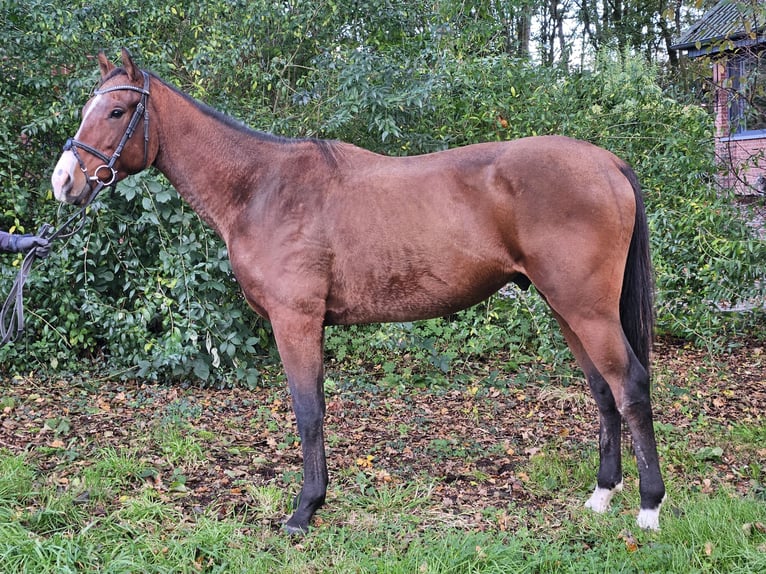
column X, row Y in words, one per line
column 108, row 165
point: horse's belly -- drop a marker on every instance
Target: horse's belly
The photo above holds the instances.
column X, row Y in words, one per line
column 411, row 299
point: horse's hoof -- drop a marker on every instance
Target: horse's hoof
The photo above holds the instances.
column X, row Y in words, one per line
column 601, row 498
column 649, row 518
column 294, row 529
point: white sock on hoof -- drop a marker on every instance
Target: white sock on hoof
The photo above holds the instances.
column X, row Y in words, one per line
column 601, row 497
column 649, row 518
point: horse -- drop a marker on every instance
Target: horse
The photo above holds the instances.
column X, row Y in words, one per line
column 323, row 232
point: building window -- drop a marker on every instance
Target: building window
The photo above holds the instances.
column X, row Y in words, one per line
column 746, row 85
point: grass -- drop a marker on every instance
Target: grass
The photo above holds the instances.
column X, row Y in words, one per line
column 69, row 503
column 389, row 528
column 396, row 529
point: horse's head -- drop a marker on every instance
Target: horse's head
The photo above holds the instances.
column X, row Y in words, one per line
column 104, row 150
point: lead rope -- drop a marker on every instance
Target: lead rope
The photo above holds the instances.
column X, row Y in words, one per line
column 12, row 312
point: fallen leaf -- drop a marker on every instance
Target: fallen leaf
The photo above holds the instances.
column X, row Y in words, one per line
column 631, row 544
column 365, row 462
column 749, row 528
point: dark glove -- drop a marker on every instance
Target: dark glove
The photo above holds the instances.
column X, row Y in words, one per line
column 26, row 242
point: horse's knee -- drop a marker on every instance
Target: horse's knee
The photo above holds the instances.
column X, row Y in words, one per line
column 309, row 409
column 310, row 427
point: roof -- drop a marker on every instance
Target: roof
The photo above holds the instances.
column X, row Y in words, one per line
column 731, row 20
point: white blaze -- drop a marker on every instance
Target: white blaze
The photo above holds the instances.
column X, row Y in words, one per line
column 66, row 169
column 87, row 112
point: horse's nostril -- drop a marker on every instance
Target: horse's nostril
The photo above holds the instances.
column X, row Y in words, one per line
column 65, row 181
column 62, row 182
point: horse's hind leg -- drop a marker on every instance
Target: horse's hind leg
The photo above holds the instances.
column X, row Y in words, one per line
column 609, row 479
column 619, row 383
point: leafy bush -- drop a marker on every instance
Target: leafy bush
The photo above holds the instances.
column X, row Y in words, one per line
column 147, row 288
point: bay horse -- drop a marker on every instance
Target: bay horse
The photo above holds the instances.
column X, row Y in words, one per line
column 326, row 233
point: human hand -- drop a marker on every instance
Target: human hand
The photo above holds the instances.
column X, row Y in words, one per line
column 27, row 242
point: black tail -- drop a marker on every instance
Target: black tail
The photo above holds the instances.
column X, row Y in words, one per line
column 637, row 298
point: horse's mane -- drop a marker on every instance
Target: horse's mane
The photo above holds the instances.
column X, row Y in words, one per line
column 328, row 148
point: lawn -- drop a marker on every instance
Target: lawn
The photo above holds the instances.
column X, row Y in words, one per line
column 488, row 475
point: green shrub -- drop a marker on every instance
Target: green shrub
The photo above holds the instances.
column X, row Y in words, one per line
column 146, row 288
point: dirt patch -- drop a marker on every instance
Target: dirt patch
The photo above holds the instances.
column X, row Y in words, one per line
column 476, row 442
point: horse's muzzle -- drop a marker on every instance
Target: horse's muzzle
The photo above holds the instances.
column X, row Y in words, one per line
column 64, row 181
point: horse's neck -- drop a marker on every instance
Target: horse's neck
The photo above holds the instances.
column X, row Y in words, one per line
column 210, row 164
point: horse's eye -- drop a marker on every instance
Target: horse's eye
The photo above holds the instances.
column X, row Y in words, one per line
column 117, row 113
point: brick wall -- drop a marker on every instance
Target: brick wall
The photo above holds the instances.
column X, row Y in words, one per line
column 742, row 158
column 743, row 163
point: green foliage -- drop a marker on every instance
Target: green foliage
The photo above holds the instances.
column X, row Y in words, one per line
column 146, row 284
column 514, row 327
column 146, row 288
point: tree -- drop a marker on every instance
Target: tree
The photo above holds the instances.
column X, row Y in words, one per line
column 648, row 27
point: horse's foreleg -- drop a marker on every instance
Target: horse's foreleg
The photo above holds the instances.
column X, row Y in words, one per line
column 300, row 341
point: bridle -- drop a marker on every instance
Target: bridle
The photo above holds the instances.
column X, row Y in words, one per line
column 12, row 311
column 108, row 166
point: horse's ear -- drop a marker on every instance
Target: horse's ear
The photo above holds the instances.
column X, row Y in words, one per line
column 104, row 64
column 134, row 73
